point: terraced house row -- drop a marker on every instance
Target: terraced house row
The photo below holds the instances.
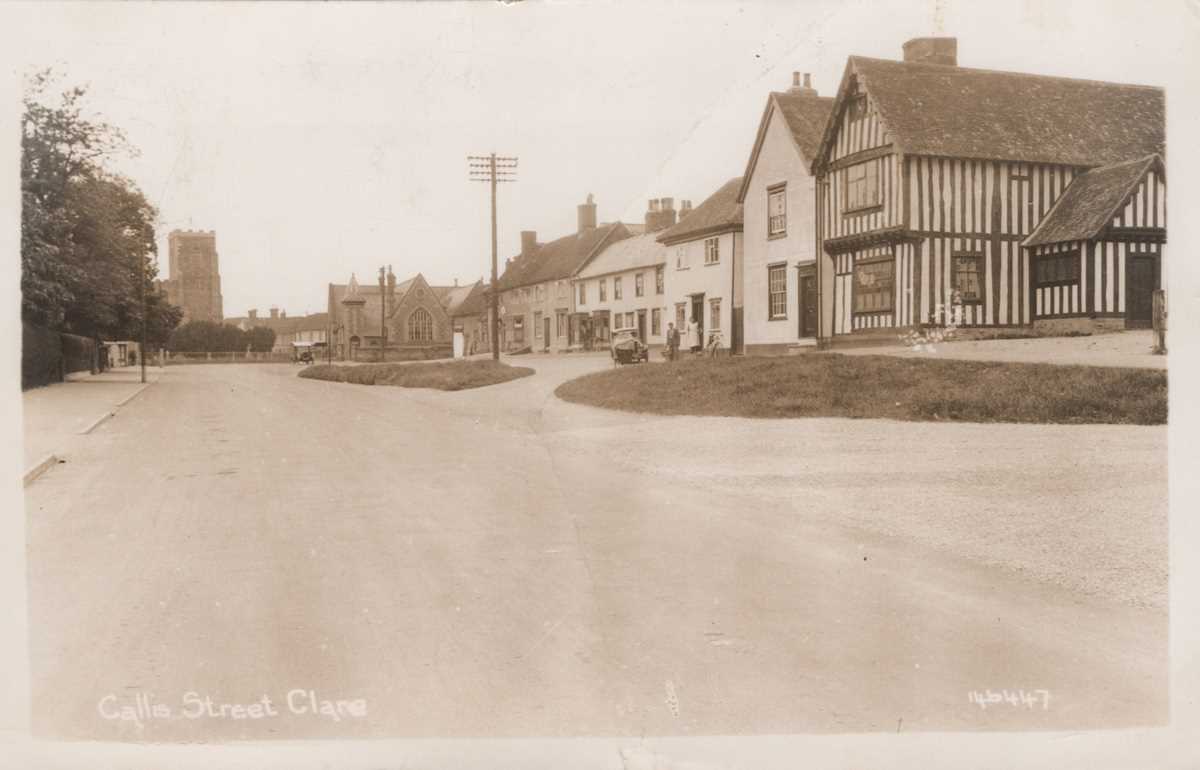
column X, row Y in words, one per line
column 922, row 193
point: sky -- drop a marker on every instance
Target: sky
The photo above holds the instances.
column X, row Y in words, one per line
column 323, row 139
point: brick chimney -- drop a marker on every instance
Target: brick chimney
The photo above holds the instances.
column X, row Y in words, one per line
column 685, row 208
column 283, row 314
column 587, row 215
column 253, row 314
column 528, row 242
column 932, row 50
column 660, row 214
column 275, row 312
column 802, row 84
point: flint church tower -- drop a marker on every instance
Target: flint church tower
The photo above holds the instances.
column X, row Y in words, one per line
column 194, row 281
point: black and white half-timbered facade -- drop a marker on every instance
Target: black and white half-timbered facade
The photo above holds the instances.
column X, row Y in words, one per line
column 986, row 199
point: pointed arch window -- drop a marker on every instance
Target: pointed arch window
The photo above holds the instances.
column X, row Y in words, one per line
column 420, row 326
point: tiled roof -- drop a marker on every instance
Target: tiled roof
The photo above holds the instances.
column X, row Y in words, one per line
column 719, row 211
column 1091, row 201
column 475, row 303
column 937, row 109
column 806, row 115
column 455, row 296
column 626, row 254
column 559, row 259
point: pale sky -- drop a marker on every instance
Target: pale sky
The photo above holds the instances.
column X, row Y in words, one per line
column 322, row 139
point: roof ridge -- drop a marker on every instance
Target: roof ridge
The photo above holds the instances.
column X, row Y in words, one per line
column 988, row 71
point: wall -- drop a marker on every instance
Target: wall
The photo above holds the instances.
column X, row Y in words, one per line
column 629, row 302
column 778, row 161
column 686, row 274
column 526, row 302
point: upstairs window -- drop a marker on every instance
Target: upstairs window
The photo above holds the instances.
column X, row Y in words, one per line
column 862, row 186
column 639, row 285
column 659, row 280
column 712, row 251
column 603, row 290
column 582, row 293
column 617, row 287
column 777, row 211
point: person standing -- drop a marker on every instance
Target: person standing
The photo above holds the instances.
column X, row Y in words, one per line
column 693, row 332
column 672, row 342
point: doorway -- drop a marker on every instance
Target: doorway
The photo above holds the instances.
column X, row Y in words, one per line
column 808, row 306
column 1141, row 280
column 641, row 326
column 546, row 332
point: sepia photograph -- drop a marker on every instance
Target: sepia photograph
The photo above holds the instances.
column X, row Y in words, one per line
column 625, row 385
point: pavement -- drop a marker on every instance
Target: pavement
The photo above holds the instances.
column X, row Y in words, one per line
column 1134, row 348
column 55, row 416
column 499, row 563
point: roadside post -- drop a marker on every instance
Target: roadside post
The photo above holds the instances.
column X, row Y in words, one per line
column 1160, row 322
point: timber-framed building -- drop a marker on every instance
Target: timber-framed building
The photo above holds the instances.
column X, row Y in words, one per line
column 986, row 199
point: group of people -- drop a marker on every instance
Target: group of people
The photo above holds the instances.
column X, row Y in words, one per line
column 694, row 339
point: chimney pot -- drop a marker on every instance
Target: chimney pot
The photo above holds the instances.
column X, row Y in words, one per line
column 587, row 215
column 528, row 242
column 274, row 312
column 795, row 79
column 932, row 50
column 807, row 80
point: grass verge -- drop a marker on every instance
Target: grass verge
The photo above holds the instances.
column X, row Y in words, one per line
column 833, row 385
column 443, row 375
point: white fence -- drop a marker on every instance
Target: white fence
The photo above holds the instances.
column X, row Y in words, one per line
column 225, row 358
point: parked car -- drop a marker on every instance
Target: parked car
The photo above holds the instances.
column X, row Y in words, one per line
column 627, row 348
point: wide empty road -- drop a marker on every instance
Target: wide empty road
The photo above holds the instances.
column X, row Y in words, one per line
column 239, row 546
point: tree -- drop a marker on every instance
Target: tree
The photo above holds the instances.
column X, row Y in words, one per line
column 208, row 337
column 261, row 339
column 87, row 235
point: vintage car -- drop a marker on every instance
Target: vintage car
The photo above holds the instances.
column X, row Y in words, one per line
column 627, row 348
column 302, row 352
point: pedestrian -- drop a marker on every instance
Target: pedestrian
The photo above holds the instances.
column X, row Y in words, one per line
column 672, row 342
column 694, row 335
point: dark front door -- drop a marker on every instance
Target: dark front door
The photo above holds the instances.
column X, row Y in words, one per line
column 641, row 325
column 698, row 315
column 1141, row 279
column 808, row 306
column 546, row 332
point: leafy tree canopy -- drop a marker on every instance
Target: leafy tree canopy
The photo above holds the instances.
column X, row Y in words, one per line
column 87, row 234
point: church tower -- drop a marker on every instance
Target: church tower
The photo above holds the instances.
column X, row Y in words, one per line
column 194, row 278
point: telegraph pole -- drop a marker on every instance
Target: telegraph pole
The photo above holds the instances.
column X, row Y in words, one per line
column 382, row 315
column 142, row 295
column 493, row 169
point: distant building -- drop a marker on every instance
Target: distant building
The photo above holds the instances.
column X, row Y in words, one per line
column 417, row 317
column 313, row 327
column 537, row 309
column 624, row 285
column 194, row 278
